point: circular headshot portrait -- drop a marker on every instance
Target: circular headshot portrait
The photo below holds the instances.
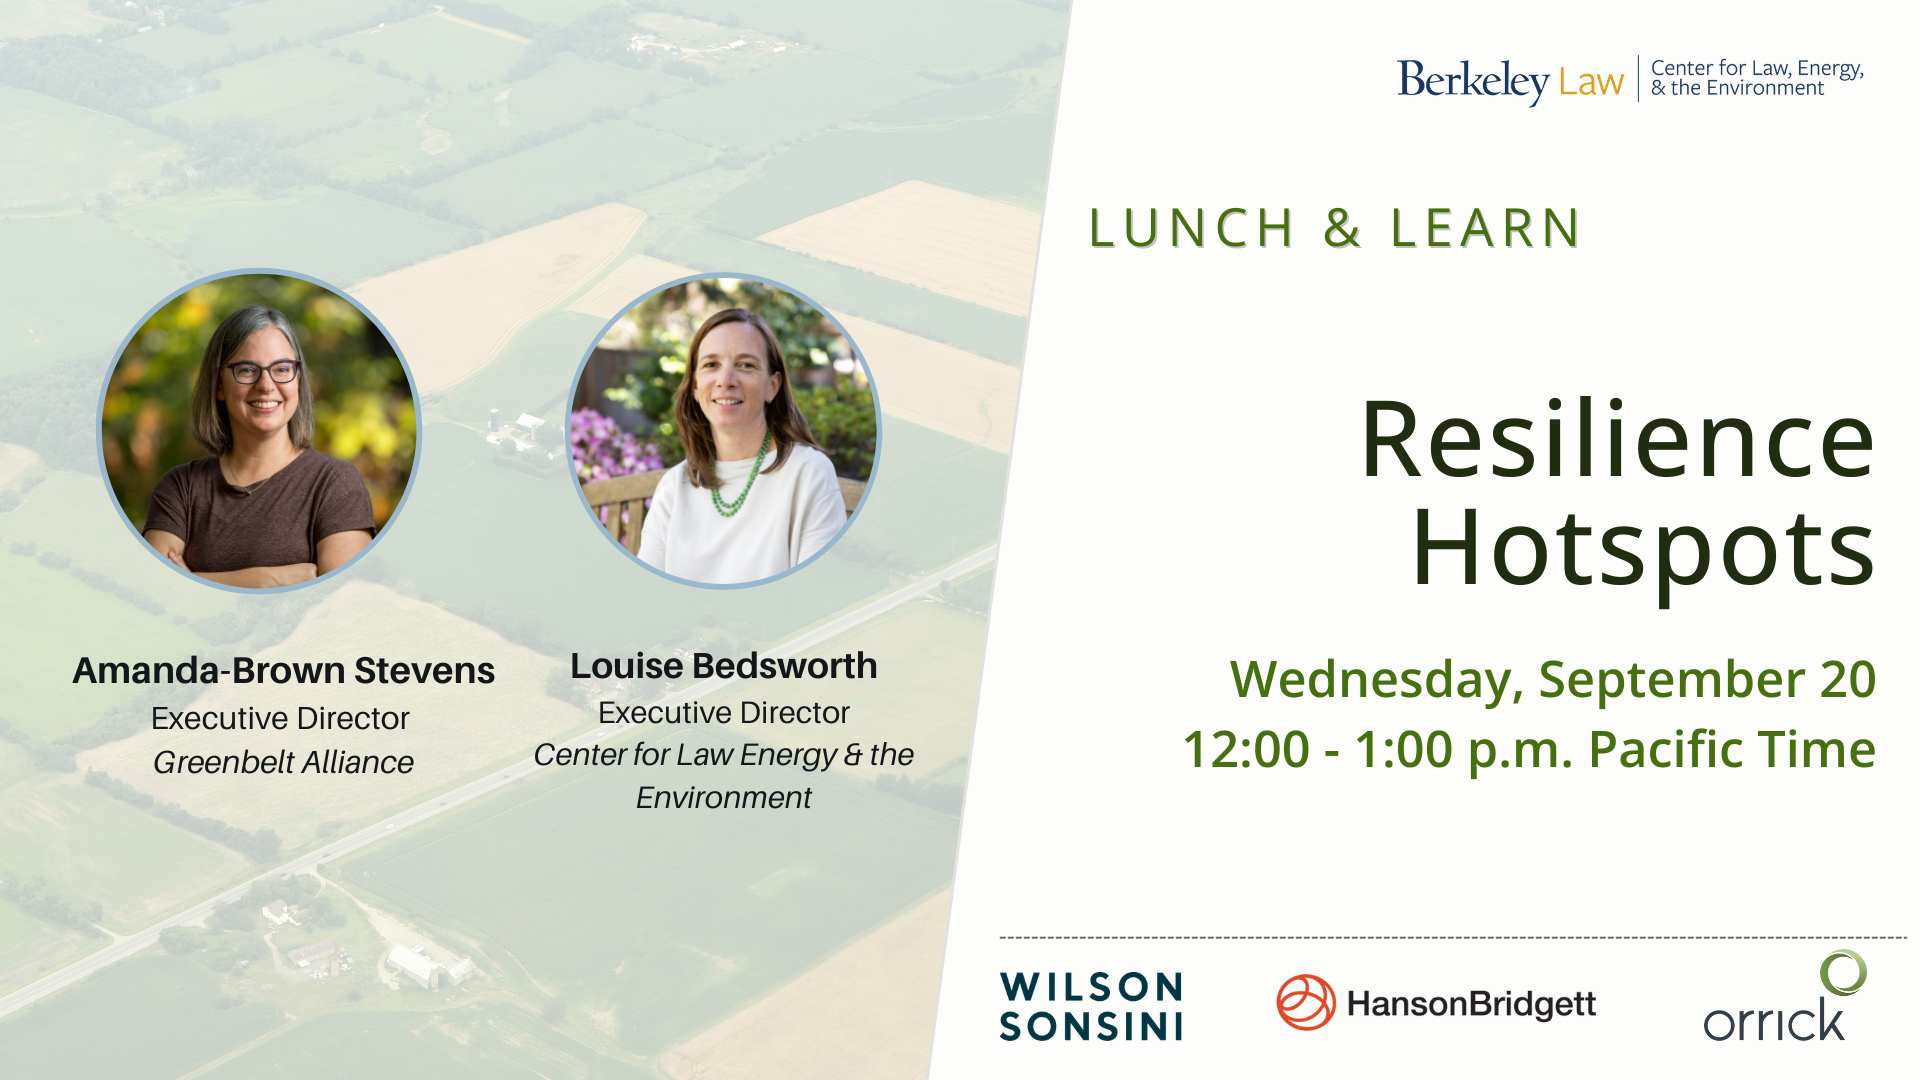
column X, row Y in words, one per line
column 723, row 431
column 258, row 431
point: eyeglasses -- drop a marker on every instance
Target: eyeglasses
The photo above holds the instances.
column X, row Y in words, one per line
column 247, row 374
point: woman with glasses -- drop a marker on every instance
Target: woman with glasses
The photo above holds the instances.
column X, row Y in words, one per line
column 266, row 508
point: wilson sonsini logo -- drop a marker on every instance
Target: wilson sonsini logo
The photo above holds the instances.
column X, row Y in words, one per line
column 1150, row 1022
column 1803, row 1025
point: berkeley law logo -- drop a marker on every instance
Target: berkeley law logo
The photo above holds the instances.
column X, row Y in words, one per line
column 1417, row 81
column 1804, row 1025
column 1466, row 79
column 1305, row 1002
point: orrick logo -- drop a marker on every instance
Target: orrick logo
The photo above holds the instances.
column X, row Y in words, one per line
column 1803, row 1025
column 1305, row 1002
column 1826, row 973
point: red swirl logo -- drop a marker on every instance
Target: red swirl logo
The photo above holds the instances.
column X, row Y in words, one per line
column 1305, row 1002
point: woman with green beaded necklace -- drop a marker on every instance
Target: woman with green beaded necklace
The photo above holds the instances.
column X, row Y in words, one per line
column 756, row 496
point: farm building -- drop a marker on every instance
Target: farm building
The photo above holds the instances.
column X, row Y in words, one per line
column 304, row 953
column 424, row 971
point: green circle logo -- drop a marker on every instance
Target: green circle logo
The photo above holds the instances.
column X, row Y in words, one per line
column 1826, row 973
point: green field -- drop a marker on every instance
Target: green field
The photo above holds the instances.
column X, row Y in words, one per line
column 566, row 91
column 321, row 232
column 60, row 155
column 16, row 764
column 176, row 46
column 465, row 126
column 557, row 12
column 33, row 18
column 46, row 318
column 596, row 164
column 252, row 26
column 489, row 1040
column 675, row 199
column 72, row 513
column 669, row 920
column 779, row 104
column 159, row 1018
column 983, row 331
column 976, row 100
column 39, row 700
column 381, row 148
column 947, row 36
column 533, row 374
column 30, row 948
column 935, row 497
column 296, row 93
column 93, row 846
column 1003, row 158
column 454, row 54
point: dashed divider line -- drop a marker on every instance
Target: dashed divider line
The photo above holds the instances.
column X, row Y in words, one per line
column 1453, row 937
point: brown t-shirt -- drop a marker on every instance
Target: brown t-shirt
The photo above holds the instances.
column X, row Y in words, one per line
column 276, row 522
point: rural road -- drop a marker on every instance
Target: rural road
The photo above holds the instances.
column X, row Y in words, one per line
column 123, row 947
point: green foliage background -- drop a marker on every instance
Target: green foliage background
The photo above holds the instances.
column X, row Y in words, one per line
column 838, row 405
column 363, row 406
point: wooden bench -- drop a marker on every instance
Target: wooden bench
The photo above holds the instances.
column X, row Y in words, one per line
column 621, row 497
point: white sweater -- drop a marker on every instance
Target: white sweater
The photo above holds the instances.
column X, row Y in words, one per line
column 789, row 515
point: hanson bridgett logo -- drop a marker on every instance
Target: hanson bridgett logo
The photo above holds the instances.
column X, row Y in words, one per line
column 1305, row 1002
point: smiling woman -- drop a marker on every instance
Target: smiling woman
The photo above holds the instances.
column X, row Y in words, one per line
column 735, row 409
column 770, row 471
column 267, row 506
column 266, row 509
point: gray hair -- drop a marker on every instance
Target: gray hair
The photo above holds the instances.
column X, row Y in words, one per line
column 208, row 417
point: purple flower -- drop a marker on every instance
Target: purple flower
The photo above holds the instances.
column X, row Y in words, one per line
column 602, row 450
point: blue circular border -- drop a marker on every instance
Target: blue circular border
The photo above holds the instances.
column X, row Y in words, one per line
column 413, row 388
column 873, row 390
